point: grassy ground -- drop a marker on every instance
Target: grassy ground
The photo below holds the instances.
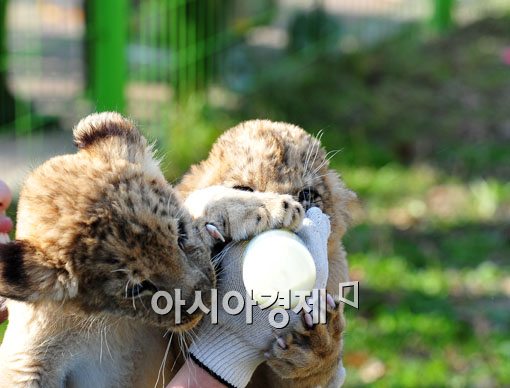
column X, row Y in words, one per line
column 423, row 126
column 434, row 287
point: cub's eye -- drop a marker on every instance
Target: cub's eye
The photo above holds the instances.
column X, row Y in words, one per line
column 243, row 188
column 144, row 288
column 308, row 197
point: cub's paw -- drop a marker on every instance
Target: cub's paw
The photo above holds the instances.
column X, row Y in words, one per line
column 227, row 214
column 238, row 218
column 310, row 354
column 280, row 211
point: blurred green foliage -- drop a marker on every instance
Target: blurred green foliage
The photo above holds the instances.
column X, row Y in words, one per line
column 412, row 98
column 313, row 30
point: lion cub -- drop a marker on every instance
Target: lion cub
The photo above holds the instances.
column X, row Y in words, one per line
column 98, row 233
column 262, row 156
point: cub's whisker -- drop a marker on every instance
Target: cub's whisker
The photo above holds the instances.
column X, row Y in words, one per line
column 161, row 371
column 326, row 160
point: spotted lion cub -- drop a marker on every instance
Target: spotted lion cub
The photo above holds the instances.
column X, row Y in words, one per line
column 98, row 233
column 261, row 156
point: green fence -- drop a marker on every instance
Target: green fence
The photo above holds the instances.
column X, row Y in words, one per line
column 173, row 49
column 61, row 60
column 134, row 56
column 41, row 63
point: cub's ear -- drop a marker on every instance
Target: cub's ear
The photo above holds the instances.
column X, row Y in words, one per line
column 111, row 134
column 23, row 277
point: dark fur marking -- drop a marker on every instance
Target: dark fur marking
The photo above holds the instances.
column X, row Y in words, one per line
column 116, row 184
column 182, row 230
column 11, row 255
column 104, row 131
column 286, row 154
column 111, row 260
column 243, row 188
column 101, row 235
column 122, row 232
column 130, row 204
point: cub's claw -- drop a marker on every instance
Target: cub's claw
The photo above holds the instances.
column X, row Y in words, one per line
column 281, row 342
column 308, row 320
column 330, row 301
column 308, row 348
column 214, row 232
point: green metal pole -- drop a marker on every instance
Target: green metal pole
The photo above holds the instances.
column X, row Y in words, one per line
column 442, row 17
column 3, row 36
column 182, row 52
column 109, row 36
column 7, row 101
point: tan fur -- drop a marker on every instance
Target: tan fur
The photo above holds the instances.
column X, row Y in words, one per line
column 93, row 226
column 282, row 158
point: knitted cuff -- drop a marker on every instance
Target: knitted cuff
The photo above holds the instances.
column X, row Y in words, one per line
column 225, row 355
column 212, row 373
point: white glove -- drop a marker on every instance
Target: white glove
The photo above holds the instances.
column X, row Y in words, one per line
column 231, row 350
column 315, row 232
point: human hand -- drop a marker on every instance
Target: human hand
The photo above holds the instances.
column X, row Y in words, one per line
column 5, row 222
column 310, row 354
column 232, row 349
column 5, row 228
